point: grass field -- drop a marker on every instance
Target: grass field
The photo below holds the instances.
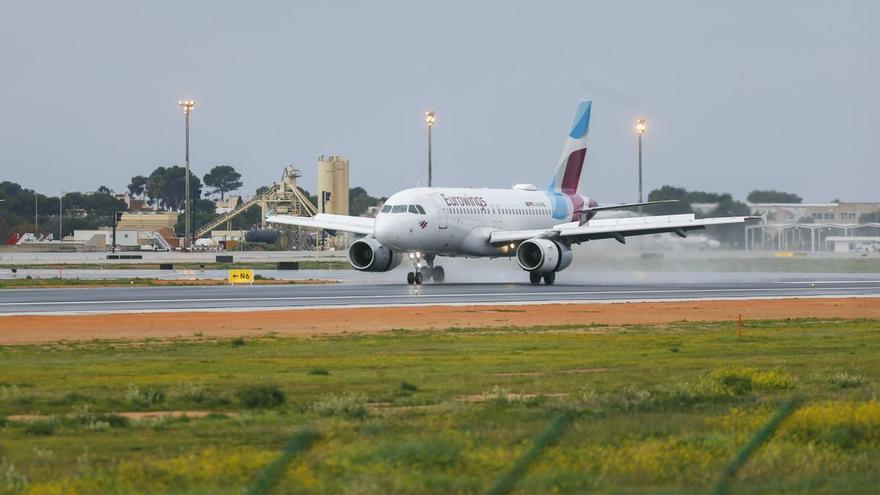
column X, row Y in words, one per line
column 49, row 283
column 655, row 410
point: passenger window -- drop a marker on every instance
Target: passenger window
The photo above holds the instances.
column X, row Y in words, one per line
column 386, row 208
column 421, row 210
column 412, row 209
column 399, row 209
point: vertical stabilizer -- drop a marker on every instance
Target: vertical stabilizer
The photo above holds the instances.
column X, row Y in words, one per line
column 574, row 153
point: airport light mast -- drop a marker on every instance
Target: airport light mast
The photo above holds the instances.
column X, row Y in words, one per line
column 60, row 215
column 430, row 118
column 641, row 127
column 187, row 107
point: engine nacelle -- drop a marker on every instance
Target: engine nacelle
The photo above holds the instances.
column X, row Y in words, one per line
column 543, row 256
column 369, row 255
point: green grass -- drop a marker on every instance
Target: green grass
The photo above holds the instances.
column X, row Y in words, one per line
column 36, row 283
column 303, row 265
column 652, row 410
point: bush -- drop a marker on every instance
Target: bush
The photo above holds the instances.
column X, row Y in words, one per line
column 12, row 394
column 41, row 427
column 237, row 342
column 145, row 397
column 844, row 379
column 261, row 396
column 408, row 387
column 740, row 381
column 194, row 392
column 318, row 371
column 437, row 452
column 349, row 405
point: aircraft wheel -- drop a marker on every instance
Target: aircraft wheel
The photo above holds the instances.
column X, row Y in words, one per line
column 549, row 278
column 425, row 272
column 438, row 274
column 418, row 278
column 534, row 278
column 410, row 278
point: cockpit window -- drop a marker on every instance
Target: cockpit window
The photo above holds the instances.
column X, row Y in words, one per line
column 386, row 208
column 421, row 210
column 398, row 209
column 412, row 209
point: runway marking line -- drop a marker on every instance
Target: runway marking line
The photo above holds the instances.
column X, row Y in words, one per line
column 393, row 296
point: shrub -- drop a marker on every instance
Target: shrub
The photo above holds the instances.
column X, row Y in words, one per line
column 845, row 424
column 435, row 452
column 499, row 395
column 145, row 397
column 408, row 387
column 84, row 416
column 261, row 396
column 740, row 381
column 11, row 478
column 194, row 392
column 237, row 342
column 41, row 427
column 12, row 394
column 318, row 371
column 348, row 405
column 844, row 379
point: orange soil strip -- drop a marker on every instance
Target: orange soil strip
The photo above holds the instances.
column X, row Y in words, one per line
column 310, row 322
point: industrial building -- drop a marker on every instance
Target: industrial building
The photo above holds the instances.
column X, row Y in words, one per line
column 813, row 227
column 333, row 184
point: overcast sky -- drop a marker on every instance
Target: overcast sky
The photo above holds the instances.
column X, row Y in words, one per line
column 738, row 95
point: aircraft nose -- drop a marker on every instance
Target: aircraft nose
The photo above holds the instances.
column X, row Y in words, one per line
column 382, row 228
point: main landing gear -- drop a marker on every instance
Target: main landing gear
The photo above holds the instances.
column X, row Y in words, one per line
column 424, row 269
column 535, row 278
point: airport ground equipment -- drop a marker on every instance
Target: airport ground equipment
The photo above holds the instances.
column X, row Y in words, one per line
column 282, row 196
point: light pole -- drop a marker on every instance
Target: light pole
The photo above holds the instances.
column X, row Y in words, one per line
column 430, row 118
column 36, row 214
column 187, row 106
column 60, row 215
column 640, row 128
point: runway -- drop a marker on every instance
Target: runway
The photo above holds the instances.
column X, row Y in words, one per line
column 243, row 298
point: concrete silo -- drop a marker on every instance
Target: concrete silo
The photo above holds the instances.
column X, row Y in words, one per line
column 333, row 179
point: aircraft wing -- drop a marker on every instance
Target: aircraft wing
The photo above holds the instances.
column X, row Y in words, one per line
column 616, row 228
column 327, row 221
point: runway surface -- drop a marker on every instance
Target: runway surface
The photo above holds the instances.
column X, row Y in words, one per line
column 229, row 298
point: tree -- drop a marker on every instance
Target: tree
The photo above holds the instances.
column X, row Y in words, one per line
column 223, row 179
column 104, row 190
column 167, row 187
column 668, row 192
column 138, row 186
column 772, row 196
column 359, row 201
column 203, row 211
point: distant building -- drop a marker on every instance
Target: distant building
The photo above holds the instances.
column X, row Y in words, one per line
column 813, row 227
column 813, row 212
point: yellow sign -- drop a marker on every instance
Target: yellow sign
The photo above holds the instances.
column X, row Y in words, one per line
column 241, row 276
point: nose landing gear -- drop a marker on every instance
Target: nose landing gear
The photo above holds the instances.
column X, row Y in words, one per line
column 424, row 269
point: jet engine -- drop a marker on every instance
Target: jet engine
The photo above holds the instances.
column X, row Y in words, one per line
column 543, row 256
column 369, row 255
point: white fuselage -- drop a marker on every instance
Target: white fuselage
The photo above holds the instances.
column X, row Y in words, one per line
column 458, row 221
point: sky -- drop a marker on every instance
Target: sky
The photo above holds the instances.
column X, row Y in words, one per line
column 737, row 95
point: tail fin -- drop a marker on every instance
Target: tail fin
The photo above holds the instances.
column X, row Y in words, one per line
column 574, row 153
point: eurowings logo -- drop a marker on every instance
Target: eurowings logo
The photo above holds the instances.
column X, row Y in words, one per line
column 423, row 224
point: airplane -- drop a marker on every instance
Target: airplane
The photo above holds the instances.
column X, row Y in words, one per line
column 537, row 226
